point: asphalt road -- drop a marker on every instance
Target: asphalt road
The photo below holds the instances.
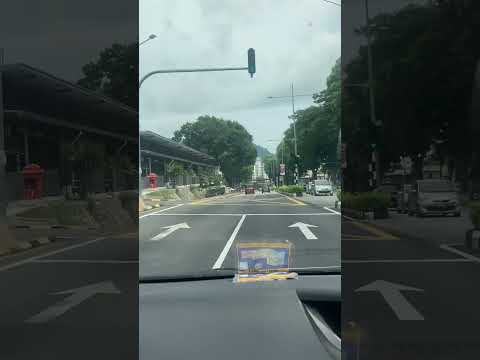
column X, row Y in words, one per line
column 407, row 299
column 206, row 232
column 72, row 299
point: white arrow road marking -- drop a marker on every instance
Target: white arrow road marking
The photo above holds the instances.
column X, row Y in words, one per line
column 170, row 229
column 304, row 228
column 393, row 296
column 78, row 296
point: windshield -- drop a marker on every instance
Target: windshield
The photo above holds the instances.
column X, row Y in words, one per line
column 228, row 172
column 436, row 186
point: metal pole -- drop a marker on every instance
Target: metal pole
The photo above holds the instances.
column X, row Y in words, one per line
column 294, row 122
column 295, row 137
column 371, row 91
column 187, row 70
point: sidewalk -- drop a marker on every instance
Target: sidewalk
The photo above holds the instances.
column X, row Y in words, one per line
column 435, row 230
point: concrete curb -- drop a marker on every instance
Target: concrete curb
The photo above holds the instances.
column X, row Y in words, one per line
column 26, row 245
column 53, row 227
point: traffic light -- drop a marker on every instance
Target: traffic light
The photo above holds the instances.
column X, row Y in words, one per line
column 251, row 61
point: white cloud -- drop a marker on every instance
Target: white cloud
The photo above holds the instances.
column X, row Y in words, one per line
column 295, row 41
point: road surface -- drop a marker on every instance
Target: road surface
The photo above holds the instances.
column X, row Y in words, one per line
column 72, row 299
column 201, row 236
column 407, row 299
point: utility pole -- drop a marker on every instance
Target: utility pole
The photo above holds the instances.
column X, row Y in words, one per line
column 371, row 92
column 295, row 136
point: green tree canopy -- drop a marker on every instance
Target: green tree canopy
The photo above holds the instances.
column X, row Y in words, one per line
column 424, row 59
column 225, row 140
column 114, row 73
column 317, row 130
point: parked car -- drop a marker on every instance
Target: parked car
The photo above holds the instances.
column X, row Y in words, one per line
column 322, row 187
column 434, row 197
column 249, row 189
column 392, row 190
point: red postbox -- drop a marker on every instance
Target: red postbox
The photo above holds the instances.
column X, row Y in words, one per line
column 152, row 180
column 32, row 181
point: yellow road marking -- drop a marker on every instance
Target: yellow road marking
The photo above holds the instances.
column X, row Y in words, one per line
column 380, row 234
column 295, row 201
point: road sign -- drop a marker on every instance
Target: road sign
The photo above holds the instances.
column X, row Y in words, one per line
column 282, row 169
column 251, row 62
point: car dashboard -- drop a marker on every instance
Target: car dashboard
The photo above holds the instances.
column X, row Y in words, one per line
column 220, row 319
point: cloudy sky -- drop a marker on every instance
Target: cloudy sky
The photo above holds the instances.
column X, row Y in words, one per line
column 61, row 36
column 295, row 41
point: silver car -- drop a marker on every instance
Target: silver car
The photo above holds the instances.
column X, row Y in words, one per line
column 434, row 197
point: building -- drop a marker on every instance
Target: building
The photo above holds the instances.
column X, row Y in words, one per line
column 159, row 153
column 259, row 170
column 84, row 141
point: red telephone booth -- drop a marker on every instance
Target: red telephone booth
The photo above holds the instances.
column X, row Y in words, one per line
column 152, row 180
column 32, row 181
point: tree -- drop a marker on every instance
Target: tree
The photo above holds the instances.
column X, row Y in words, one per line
column 317, row 129
column 225, row 140
column 424, row 66
column 114, row 74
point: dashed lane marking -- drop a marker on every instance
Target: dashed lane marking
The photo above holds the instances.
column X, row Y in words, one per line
column 465, row 255
column 160, row 211
column 332, row 211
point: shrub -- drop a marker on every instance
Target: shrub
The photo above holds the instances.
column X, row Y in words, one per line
column 291, row 189
column 475, row 214
column 366, row 201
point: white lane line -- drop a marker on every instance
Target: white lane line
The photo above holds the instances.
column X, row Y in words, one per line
column 29, row 260
column 331, row 210
column 218, row 264
column 73, row 261
column 395, row 261
column 468, row 256
column 159, row 211
column 240, row 214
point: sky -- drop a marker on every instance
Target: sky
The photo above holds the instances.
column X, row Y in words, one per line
column 59, row 36
column 295, row 42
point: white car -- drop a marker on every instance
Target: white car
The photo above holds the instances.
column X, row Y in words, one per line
column 322, row 187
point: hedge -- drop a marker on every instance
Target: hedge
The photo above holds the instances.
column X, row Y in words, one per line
column 291, row 189
column 366, row 201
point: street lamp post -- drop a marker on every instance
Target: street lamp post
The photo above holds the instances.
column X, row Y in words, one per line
column 292, row 97
column 150, row 37
column 251, row 68
column 140, row 187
